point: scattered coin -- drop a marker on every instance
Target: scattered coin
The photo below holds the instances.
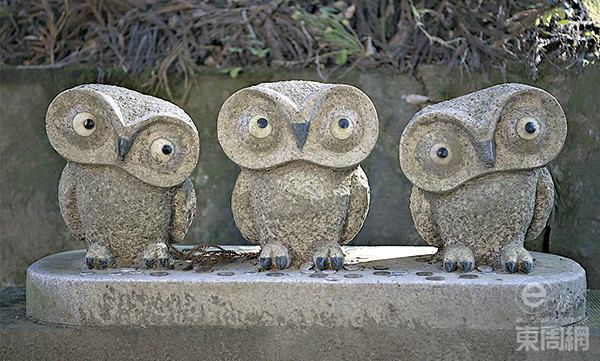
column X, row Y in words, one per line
column 318, row 275
column 251, row 272
column 182, row 265
column 115, row 273
column 127, row 270
column 353, row 275
column 204, row 270
column 307, row 271
column 423, row 273
column 329, row 271
column 381, row 273
column 485, row 269
column 86, row 273
column 159, row 274
column 225, row 273
column 468, row 276
column 396, row 274
column 380, row 268
column 275, row 274
column 134, row 272
column 435, row 278
column 306, row 266
column 333, row 278
column 351, row 267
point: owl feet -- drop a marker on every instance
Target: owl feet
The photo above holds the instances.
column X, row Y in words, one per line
column 329, row 254
column 97, row 255
column 458, row 257
column 515, row 258
column 156, row 251
column 274, row 254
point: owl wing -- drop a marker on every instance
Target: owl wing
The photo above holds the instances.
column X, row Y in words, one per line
column 67, row 200
column 242, row 209
column 544, row 200
column 184, row 210
column 422, row 215
column 358, row 205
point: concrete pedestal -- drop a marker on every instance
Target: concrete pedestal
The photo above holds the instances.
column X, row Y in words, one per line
column 386, row 287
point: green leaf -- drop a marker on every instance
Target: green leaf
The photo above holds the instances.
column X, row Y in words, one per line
column 563, row 22
column 236, row 50
column 233, row 72
column 342, row 57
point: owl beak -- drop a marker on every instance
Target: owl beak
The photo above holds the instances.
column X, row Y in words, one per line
column 486, row 152
column 300, row 130
column 124, row 145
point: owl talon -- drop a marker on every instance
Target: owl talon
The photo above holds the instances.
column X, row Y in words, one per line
column 274, row 250
column 321, row 263
column 165, row 262
column 337, row 263
column 329, row 254
column 156, row 251
column 510, row 267
column 515, row 258
column 466, row 266
column 458, row 257
column 97, row 253
column 450, row 266
column 281, row 262
column 526, row 267
column 149, row 263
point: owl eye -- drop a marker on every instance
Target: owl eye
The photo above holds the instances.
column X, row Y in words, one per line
column 161, row 149
column 260, row 126
column 440, row 154
column 84, row 124
column 341, row 128
column 528, row 128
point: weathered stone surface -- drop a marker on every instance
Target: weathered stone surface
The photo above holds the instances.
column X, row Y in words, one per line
column 301, row 192
column 124, row 189
column 477, row 163
column 391, row 292
column 23, row 339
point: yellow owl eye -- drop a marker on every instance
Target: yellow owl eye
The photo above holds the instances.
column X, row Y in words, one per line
column 162, row 149
column 528, row 128
column 84, row 124
column 260, row 126
column 341, row 127
column 440, row 154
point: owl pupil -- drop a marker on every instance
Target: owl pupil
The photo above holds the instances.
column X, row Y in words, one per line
column 262, row 123
column 343, row 123
column 167, row 149
column 530, row 127
column 442, row 152
column 88, row 124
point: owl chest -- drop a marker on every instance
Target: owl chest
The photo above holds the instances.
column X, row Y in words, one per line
column 111, row 198
column 300, row 197
column 500, row 200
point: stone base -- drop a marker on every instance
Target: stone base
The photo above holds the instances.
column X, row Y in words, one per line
column 390, row 291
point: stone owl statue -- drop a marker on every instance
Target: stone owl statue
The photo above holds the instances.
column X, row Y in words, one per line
column 125, row 189
column 477, row 164
column 301, row 192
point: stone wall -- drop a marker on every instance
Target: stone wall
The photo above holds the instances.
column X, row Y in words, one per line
column 31, row 226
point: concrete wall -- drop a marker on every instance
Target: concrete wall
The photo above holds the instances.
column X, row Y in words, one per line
column 31, row 226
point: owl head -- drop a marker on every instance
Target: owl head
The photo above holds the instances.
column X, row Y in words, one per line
column 151, row 139
column 501, row 128
column 270, row 124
